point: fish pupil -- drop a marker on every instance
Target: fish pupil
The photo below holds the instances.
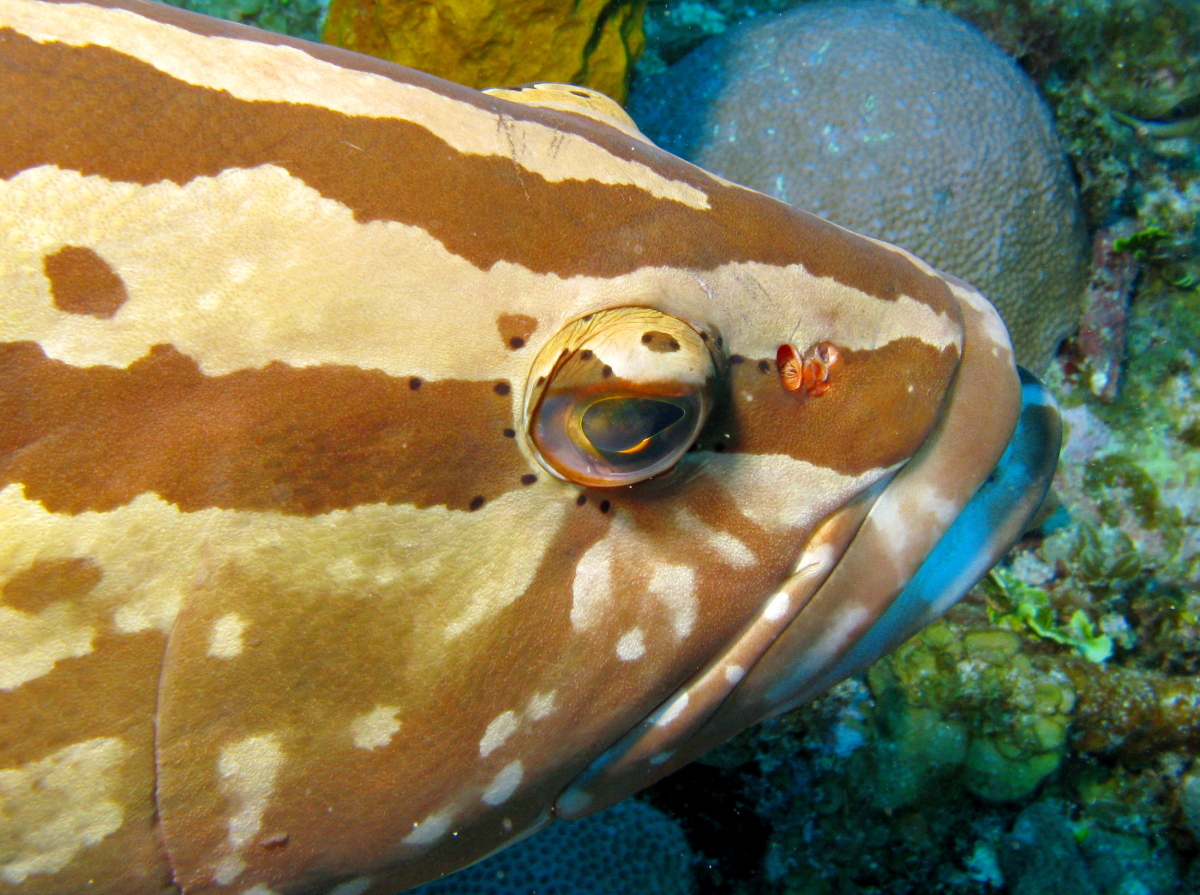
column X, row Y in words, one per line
column 627, row 425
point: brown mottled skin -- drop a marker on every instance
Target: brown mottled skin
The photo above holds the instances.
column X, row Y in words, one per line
column 288, row 597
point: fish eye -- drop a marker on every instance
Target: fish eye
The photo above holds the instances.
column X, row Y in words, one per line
column 619, row 396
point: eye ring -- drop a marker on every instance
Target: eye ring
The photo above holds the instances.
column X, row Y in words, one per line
column 618, row 396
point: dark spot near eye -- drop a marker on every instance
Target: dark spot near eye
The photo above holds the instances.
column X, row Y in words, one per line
column 580, row 500
column 660, row 341
column 501, row 388
column 81, row 282
column 605, row 506
column 541, row 379
column 528, row 479
column 515, row 329
column 510, row 433
column 736, row 359
column 606, row 372
column 719, row 447
column 720, row 341
column 414, row 383
column 476, row 502
column 587, row 318
column 703, row 337
column 763, row 366
column 579, row 93
column 585, row 354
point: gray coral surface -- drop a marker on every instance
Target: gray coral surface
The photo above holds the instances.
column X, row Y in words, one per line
column 901, row 123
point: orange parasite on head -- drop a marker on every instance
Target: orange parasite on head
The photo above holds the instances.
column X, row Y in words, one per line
column 810, row 373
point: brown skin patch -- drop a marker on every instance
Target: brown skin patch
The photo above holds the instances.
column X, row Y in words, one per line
column 81, row 282
column 300, row 441
column 48, row 581
column 97, row 111
column 444, row 707
column 869, row 418
column 111, row 692
column 515, row 329
column 662, row 343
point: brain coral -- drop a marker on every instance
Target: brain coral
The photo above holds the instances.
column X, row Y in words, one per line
column 630, row 849
column 899, row 122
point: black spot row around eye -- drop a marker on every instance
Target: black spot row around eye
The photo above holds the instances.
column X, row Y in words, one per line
column 605, row 505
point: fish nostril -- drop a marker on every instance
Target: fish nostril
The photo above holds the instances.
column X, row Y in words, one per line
column 810, row 373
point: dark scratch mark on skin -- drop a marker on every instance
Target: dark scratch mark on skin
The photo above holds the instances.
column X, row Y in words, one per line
column 505, row 127
column 557, row 142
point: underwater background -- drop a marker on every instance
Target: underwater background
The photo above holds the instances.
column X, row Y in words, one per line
column 1044, row 737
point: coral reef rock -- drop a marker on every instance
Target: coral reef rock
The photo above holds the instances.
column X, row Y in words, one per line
column 901, row 123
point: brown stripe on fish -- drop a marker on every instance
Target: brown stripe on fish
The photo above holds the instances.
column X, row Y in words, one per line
column 48, row 581
column 301, row 441
column 146, row 126
column 879, row 408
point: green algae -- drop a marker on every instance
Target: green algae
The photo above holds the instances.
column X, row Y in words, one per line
column 1015, row 605
column 1142, row 243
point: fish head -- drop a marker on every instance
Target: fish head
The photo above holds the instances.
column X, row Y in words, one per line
column 401, row 467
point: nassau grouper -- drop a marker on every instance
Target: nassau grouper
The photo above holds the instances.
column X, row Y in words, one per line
column 388, row 468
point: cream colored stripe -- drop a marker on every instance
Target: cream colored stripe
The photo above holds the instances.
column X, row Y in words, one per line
column 254, row 266
column 788, row 303
column 428, row 565
column 779, row 492
column 256, row 71
column 57, row 806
